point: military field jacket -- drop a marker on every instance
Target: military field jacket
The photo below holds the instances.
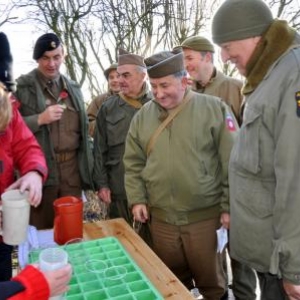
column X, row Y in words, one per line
column 93, row 110
column 112, row 125
column 264, row 174
column 29, row 93
column 226, row 88
column 184, row 179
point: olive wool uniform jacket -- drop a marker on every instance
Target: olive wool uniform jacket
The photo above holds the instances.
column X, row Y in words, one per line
column 184, row 179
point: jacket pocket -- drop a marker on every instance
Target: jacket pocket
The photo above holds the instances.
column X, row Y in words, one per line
column 251, row 222
column 28, row 108
column 72, row 120
column 117, row 128
column 255, row 198
column 246, row 151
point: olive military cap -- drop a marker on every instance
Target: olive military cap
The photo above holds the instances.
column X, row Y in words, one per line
column 240, row 19
column 126, row 58
column 109, row 69
column 197, row 43
column 165, row 63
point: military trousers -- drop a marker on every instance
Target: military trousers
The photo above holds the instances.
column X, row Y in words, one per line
column 69, row 184
column 243, row 280
column 190, row 253
column 271, row 287
column 118, row 208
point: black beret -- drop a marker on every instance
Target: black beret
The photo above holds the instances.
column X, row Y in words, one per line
column 46, row 42
column 6, row 60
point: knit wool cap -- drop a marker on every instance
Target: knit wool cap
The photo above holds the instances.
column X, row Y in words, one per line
column 126, row 58
column 46, row 42
column 112, row 67
column 240, row 19
column 164, row 63
column 197, row 43
column 6, row 60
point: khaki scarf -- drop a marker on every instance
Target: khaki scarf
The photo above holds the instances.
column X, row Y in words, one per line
column 272, row 45
column 138, row 101
column 133, row 102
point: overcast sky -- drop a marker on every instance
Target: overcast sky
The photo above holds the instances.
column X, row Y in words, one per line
column 22, row 39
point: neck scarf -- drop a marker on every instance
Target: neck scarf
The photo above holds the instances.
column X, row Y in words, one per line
column 272, row 45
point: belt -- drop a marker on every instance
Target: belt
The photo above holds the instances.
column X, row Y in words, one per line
column 185, row 218
column 64, row 156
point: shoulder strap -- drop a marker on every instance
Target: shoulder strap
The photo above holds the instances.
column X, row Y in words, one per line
column 133, row 102
column 167, row 121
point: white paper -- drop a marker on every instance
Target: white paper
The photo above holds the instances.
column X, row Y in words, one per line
column 36, row 239
column 222, row 236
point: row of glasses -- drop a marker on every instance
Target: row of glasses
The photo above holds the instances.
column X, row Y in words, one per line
column 54, row 258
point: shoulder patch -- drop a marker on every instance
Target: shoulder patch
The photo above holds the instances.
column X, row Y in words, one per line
column 297, row 98
column 230, row 124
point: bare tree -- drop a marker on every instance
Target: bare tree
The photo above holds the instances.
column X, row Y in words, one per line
column 6, row 16
column 93, row 30
column 288, row 10
column 69, row 19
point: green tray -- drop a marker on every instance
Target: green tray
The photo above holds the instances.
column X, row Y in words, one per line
column 103, row 269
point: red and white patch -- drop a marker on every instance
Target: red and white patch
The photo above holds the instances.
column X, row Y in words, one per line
column 230, row 123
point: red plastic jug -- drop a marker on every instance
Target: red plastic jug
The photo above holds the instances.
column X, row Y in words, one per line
column 68, row 221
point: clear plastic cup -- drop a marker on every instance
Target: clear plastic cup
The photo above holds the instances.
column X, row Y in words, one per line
column 96, row 266
column 52, row 259
column 75, row 251
column 115, row 273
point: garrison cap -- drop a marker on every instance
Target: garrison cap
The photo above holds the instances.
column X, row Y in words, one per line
column 197, row 43
column 126, row 58
column 46, row 42
column 165, row 63
column 112, row 67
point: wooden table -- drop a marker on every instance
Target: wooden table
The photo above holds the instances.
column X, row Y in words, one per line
column 161, row 277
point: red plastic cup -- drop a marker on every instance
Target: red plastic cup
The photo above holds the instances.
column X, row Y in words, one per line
column 68, row 221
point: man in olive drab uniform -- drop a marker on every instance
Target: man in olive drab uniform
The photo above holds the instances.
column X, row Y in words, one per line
column 112, row 78
column 206, row 79
column 112, row 125
column 176, row 157
column 264, row 166
column 199, row 62
column 53, row 108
